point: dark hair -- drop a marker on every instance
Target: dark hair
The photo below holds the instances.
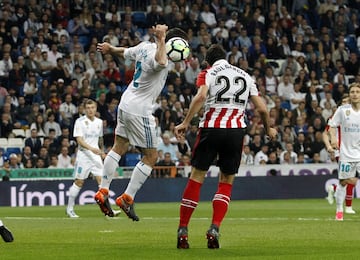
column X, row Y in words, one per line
column 215, row 53
column 176, row 32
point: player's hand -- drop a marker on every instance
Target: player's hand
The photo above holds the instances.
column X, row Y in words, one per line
column 104, row 47
column 330, row 149
column 160, row 31
column 179, row 130
column 272, row 133
column 97, row 151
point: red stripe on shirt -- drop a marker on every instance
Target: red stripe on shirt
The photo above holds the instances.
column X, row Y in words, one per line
column 208, row 117
column 219, row 118
column 238, row 122
column 228, row 122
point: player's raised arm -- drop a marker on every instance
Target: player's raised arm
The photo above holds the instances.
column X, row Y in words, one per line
column 107, row 48
column 160, row 35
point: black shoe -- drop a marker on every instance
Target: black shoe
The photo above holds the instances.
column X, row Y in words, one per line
column 212, row 236
column 182, row 238
column 6, row 234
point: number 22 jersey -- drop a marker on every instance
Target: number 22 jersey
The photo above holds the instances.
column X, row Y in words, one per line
column 229, row 90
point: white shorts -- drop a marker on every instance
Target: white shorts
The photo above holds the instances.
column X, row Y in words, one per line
column 140, row 130
column 348, row 169
column 84, row 166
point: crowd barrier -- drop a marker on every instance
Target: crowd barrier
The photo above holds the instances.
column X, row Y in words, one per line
column 176, row 171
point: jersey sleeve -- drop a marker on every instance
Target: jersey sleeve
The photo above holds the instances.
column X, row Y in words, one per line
column 253, row 87
column 200, row 80
column 336, row 119
column 77, row 129
column 130, row 53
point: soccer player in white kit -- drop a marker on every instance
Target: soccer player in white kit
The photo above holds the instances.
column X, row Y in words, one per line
column 224, row 90
column 88, row 131
column 135, row 123
column 347, row 117
column 331, row 189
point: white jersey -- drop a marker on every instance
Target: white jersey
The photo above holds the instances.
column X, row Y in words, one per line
column 348, row 122
column 90, row 131
column 149, row 79
column 229, row 90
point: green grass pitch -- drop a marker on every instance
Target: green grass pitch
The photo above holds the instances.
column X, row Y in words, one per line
column 266, row 229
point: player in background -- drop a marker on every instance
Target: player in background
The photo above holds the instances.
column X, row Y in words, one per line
column 5, row 233
column 347, row 117
column 135, row 123
column 224, row 90
column 88, row 131
column 331, row 189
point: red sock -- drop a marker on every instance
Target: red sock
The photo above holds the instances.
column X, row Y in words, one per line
column 189, row 202
column 335, row 186
column 221, row 202
column 349, row 195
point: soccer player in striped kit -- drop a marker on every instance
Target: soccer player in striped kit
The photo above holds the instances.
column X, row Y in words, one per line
column 224, row 90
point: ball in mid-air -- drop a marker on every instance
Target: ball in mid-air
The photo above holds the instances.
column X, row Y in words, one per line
column 177, row 49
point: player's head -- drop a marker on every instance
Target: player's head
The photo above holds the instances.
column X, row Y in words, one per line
column 354, row 92
column 215, row 53
column 176, row 32
column 90, row 107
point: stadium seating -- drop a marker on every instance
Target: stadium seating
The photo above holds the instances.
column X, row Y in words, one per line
column 3, row 143
column 19, row 133
column 10, row 150
column 16, row 142
column 131, row 159
column 139, row 19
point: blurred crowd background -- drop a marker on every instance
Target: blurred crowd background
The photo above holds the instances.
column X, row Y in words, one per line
column 302, row 54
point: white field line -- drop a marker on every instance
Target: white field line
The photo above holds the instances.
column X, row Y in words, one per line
column 194, row 218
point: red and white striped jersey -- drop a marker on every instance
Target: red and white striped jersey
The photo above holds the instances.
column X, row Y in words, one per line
column 229, row 90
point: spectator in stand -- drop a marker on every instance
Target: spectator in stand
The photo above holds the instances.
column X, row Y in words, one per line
column 34, row 141
column 289, row 150
column 167, row 146
column 64, row 160
column 261, row 156
column 39, row 125
column 166, row 162
column 67, row 111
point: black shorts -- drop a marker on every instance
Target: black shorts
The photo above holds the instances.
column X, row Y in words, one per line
column 225, row 145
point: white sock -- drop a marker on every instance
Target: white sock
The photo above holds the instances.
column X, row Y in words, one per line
column 340, row 197
column 111, row 162
column 73, row 192
column 1, row 223
column 139, row 175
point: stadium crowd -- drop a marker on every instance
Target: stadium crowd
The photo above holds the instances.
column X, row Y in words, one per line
column 303, row 55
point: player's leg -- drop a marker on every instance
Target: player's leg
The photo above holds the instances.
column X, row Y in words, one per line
column 111, row 163
column 203, row 155
column 73, row 193
column 229, row 145
column 189, row 202
column 141, row 132
column 347, row 173
column 349, row 198
column 141, row 172
column 5, row 233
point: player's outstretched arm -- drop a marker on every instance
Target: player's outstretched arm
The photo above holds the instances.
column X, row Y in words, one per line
column 195, row 105
column 160, row 34
column 107, row 48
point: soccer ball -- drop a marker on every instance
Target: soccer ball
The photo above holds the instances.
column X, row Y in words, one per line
column 177, row 49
